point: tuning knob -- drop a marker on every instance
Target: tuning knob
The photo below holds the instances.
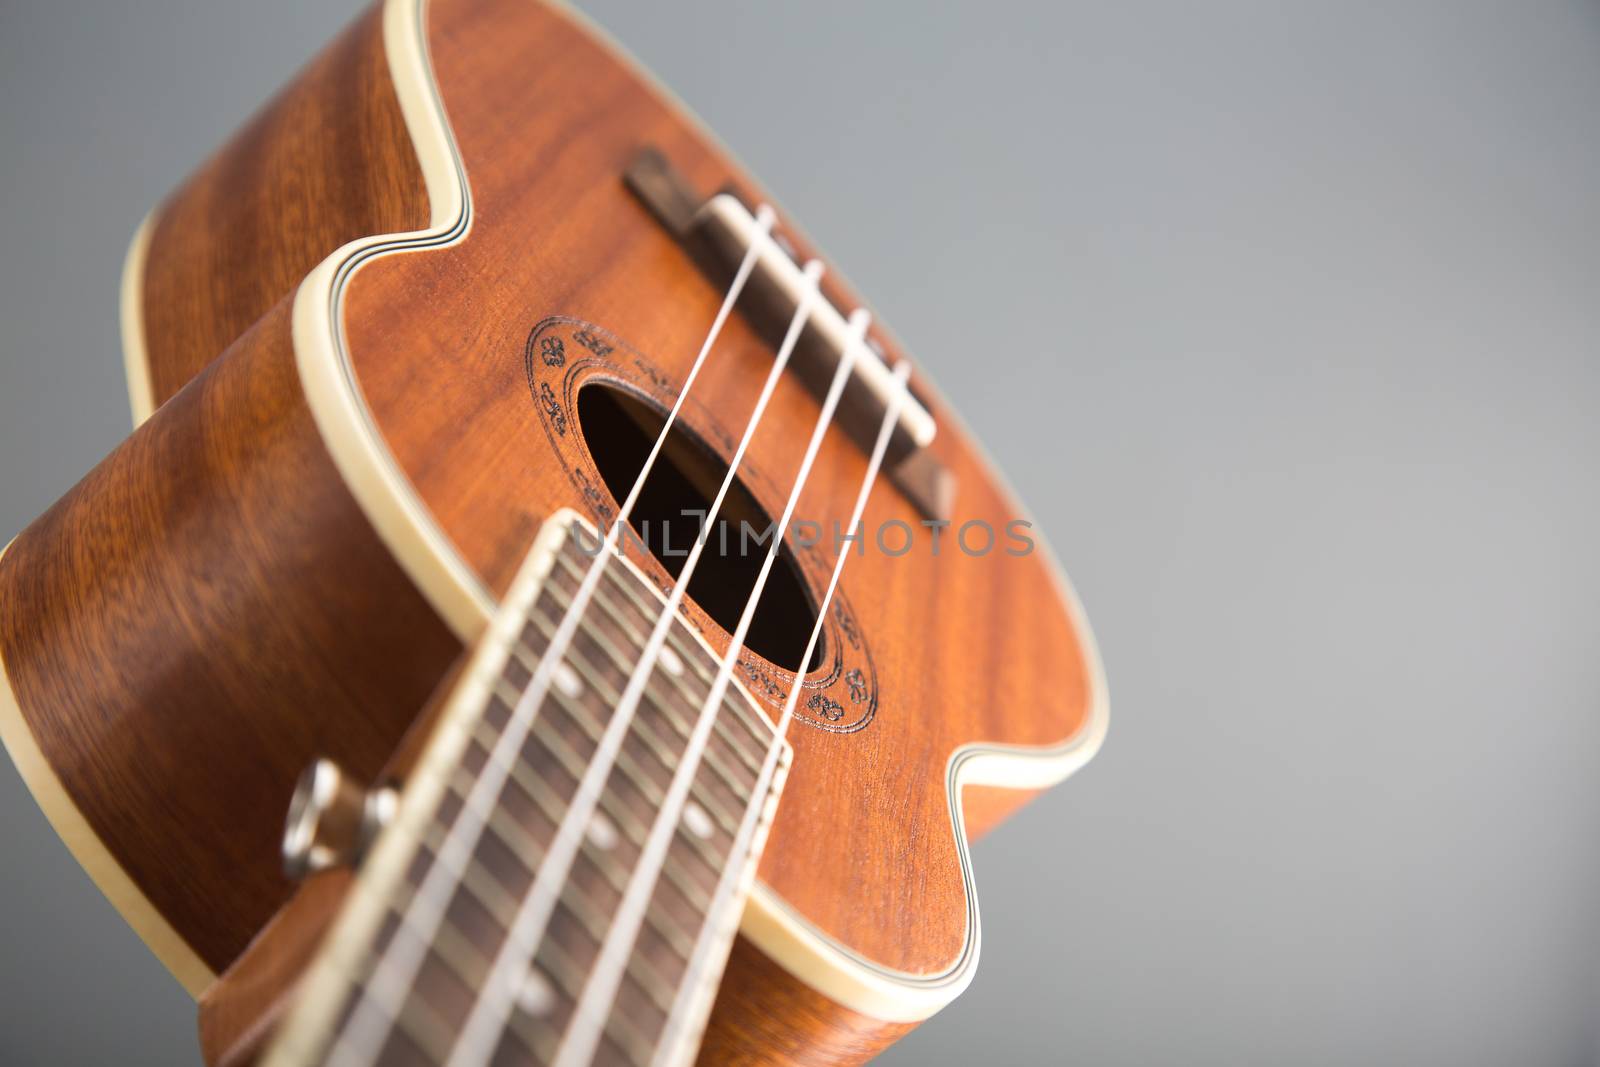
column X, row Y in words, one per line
column 332, row 820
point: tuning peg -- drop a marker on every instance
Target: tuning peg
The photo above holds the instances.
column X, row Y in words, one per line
column 332, row 820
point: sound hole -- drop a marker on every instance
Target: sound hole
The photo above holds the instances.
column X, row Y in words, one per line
column 619, row 429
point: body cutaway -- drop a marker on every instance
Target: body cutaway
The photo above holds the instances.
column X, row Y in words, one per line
column 345, row 446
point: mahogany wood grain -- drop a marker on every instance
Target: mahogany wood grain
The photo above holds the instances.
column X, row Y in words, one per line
column 209, row 608
column 764, row 1016
column 240, row 1010
column 195, row 621
column 327, row 161
column 966, row 648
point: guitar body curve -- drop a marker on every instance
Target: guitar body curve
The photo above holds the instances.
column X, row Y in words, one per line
column 341, row 337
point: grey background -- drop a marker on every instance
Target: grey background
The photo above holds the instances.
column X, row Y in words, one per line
column 1298, row 310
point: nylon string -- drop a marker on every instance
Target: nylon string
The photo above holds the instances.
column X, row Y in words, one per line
column 487, row 1019
column 594, row 1005
column 381, row 999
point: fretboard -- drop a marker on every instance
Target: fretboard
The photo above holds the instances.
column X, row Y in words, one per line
column 497, row 951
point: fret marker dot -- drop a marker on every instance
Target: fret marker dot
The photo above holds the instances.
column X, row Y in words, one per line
column 671, row 661
column 568, row 682
column 534, row 996
column 696, row 820
column 602, row 835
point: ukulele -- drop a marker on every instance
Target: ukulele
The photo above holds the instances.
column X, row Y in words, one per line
column 634, row 639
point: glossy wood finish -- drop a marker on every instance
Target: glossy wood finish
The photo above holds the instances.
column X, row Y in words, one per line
column 197, row 619
column 326, row 162
column 232, row 488
column 763, row 1015
column 239, row 1012
column 210, row 608
column 966, row 649
column 241, row 1009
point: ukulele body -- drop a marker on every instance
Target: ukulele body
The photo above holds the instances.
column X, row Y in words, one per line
column 342, row 337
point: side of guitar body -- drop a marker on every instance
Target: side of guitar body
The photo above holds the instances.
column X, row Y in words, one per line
column 245, row 584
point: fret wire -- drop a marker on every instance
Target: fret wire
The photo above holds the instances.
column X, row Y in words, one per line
column 541, row 1042
column 701, row 903
column 639, row 1052
column 431, row 1034
column 712, row 807
column 543, row 797
column 420, row 1021
column 523, row 775
column 706, row 906
column 608, row 693
column 693, row 894
column 672, row 933
column 458, row 952
column 731, row 878
column 643, row 780
column 426, row 1029
column 651, row 984
column 541, row 794
column 471, row 965
column 558, row 747
column 521, row 772
column 532, row 1030
column 479, row 882
column 647, row 610
column 364, row 1028
column 623, row 664
column 715, row 809
column 635, row 833
column 595, row 1004
column 575, row 765
column 696, row 896
column 553, row 809
column 640, row 777
column 461, row 955
column 561, row 967
column 577, row 713
column 522, row 843
column 611, row 871
column 752, row 720
column 758, row 727
column 741, row 712
column 596, row 925
column 572, row 978
column 501, row 905
column 654, row 743
column 669, row 928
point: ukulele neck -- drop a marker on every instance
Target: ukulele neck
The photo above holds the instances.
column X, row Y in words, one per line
column 535, row 901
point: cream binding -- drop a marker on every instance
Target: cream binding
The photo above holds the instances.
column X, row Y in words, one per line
column 346, row 947
column 90, row 852
column 398, row 514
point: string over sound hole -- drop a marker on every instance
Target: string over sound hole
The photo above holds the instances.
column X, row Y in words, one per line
column 618, row 429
